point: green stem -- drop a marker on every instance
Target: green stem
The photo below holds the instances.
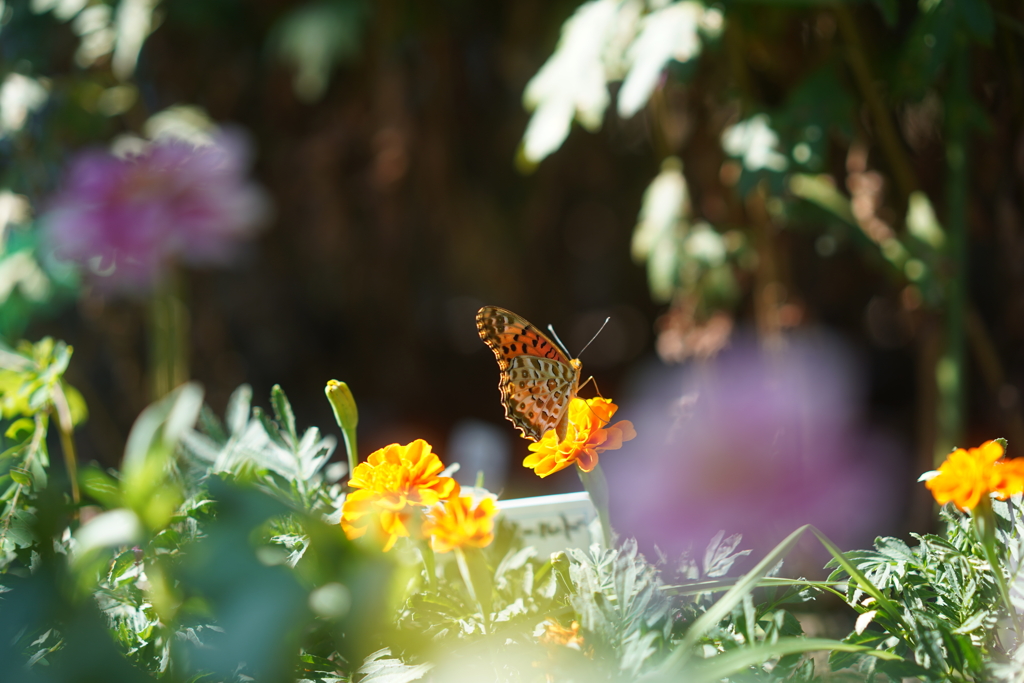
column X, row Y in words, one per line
column 346, row 414
column 429, row 564
column 477, row 595
column 67, row 442
column 168, row 338
column 597, row 486
column 349, row 435
column 951, row 367
column 885, row 130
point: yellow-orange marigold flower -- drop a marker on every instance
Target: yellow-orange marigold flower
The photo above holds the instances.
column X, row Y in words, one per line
column 390, row 485
column 967, row 476
column 556, row 634
column 586, row 435
column 460, row 525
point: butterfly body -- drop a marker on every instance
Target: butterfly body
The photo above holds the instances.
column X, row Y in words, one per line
column 538, row 380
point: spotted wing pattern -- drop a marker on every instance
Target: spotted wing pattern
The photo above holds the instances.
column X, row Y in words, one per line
column 537, row 380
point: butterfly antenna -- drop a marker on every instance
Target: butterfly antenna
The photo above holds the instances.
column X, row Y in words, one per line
column 606, row 321
column 551, row 329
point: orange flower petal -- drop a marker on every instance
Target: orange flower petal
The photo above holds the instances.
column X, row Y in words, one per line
column 390, row 484
column 586, row 436
column 457, row 524
column 966, row 476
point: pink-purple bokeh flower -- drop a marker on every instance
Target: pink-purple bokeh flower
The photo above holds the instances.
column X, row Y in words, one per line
column 130, row 219
column 755, row 442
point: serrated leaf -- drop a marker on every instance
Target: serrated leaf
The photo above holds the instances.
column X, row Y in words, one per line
column 380, row 667
column 719, row 556
column 210, row 426
column 895, row 549
column 271, row 428
column 974, row 622
column 121, row 564
column 19, row 530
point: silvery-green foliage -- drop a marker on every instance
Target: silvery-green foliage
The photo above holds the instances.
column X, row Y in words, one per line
column 524, row 589
column 721, row 554
column 621, row 604
column 251, row 444
column 951, row 620
column 602, row 42
column 381, row 667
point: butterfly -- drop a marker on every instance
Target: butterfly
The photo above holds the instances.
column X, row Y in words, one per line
column 538, row 380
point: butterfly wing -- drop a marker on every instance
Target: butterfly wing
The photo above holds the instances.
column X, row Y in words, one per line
column 536, row 394
column 537, row 379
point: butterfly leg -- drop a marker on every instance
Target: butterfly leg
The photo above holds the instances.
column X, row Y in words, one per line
column 588, row 381
column 598, row 390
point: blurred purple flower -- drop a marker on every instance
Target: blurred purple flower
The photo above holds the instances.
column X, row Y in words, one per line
column 756, row 443
column 128, row 219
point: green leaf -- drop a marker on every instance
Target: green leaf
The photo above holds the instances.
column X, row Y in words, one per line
column 145, row 482
column 20, row 429
column 283, row 412
column 100, row 486
column 904, row 669
column 109, row 529
column 19, row 531
column 821, row 191
column 158, row 428
column 76, row 404
column 209, row 426
column 895, row 549
column 380, row 667
column 973, row 622
column 21, row 476
column 699, row 628
column 14, row 451
column 121, row 564
column 272, row 429
column 236, row 416
column 314, row 37
column 477, row 576
column 729, row 663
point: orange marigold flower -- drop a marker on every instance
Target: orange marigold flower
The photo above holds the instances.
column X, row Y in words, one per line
column 967, row 476
column 556, row 634
column 586, row 435
column 390, row 485
column 459, row 525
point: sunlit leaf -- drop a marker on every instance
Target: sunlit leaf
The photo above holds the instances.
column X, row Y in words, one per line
column 381, row 667
column 108, row 529
column 317, row 36
column 21, row 476
column 755, row 143
column 573, row 82
column 665, row 34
